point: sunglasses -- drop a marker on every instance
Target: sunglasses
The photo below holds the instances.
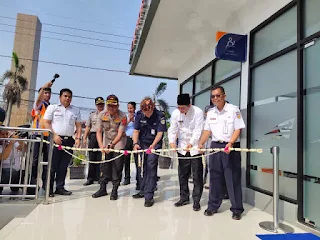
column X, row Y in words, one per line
column 217, row 96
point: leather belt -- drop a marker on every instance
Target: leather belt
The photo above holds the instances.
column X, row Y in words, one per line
column 65, row 137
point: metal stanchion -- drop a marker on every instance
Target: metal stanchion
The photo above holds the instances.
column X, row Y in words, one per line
column 49, row 164
column 275, row 225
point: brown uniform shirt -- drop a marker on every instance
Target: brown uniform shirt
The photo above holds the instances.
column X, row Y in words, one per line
column 92, row 121
column 110, row 126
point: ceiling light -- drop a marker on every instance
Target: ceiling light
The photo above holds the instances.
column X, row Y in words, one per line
column 193, row 14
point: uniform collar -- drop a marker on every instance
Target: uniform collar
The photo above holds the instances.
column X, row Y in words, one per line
column 60, row 105
column 225, row 108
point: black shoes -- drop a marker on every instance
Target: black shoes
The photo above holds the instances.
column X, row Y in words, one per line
column 236, row 216
column 101, row 192
column 114, row 194
column 181, row 203
column 148, row 203
column 138, row 195
column 126, row 182
column 63, row 192
column 88, row 183
column 196, row 206
column 209, row 212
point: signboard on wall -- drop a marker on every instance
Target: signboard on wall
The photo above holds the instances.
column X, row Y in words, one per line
column 232, row 47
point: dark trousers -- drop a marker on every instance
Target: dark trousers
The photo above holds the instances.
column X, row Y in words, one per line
column 112, row 171
column 186, row 166
column 228, row 166
column 150, row 168
column 36, row 155
column 129, row 146
column 5, row 178
column 94, row 169
column 60, row 163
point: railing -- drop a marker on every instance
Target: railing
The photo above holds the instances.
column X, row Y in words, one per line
column 17, row 171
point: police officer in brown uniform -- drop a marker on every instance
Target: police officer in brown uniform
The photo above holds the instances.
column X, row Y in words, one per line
column 112, row 123
column 90, row 132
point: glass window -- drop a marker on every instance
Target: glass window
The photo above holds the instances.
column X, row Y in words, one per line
column 202, row 100
column 312, row 17
column 275, row 78
column 276, row 36
column 232, row 89
column 274, row 123
column 312, row 134
column 187, row 87
column 203, row 79
column 225, row 69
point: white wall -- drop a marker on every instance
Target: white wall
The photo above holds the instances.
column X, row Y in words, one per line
column 242, row 22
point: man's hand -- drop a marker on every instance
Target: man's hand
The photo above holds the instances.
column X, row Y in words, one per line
column 200, row 146
column 77, row 144
column 173, row 146
column 227, row 148
column 48, row 85
column 136, row 147
column 151, row 147
column 188, row 147
column 57, row 139
column 84, row 142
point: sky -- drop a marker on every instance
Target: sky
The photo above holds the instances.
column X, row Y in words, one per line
column 110, row 16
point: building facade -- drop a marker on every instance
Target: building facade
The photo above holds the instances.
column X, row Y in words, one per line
column 276, row 89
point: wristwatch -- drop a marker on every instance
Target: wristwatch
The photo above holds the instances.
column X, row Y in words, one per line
column 78, row 138
column 135, row 144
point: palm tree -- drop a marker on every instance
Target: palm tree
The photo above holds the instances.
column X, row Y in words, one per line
column 15, row 87
column 161, row 103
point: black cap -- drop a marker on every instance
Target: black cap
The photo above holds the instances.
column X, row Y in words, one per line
column 2, row 115
column 112, row 100
column 183, row 99
column 99, row 100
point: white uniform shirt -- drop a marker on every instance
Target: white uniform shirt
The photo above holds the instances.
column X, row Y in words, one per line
column 223, row 124
column 187, row 127
column 63, row 119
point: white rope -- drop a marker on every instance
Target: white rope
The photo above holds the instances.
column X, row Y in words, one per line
column 191, row 157
column 94, row 162
column 125, row 152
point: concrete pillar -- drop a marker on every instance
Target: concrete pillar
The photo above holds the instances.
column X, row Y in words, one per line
column 27, row 46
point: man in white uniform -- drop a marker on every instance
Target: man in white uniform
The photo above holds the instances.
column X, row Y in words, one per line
column 224, row 122
column 61, row 119
column 186, row 124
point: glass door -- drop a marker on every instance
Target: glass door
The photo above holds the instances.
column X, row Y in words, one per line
column 311, row 172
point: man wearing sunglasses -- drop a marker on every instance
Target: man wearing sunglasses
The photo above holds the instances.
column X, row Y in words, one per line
column 186, row 125
column 224, row 123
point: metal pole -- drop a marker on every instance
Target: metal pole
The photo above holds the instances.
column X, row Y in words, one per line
column 275, row 225
column 40, row 158
column 51, row 146
column 275, row 157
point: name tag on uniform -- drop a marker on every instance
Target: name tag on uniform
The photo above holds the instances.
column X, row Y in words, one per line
column 153, row 132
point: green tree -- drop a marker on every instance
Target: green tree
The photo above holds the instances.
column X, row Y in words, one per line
column 15, row 87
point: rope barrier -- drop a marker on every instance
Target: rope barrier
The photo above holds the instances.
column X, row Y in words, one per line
column 147, row 151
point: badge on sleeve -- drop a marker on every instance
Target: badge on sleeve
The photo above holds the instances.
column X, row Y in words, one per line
column 105, row 118
column 124, row 121
column 238, row 115
column 163, row 121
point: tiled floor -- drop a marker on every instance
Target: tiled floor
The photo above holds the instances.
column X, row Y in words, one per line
column 81, row 217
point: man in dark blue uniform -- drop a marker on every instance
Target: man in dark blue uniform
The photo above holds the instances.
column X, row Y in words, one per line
column 149, row 126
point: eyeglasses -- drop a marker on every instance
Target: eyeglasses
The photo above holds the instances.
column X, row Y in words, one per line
column 217, row 96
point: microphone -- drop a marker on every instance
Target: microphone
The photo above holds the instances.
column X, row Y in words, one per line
column 55, row 77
